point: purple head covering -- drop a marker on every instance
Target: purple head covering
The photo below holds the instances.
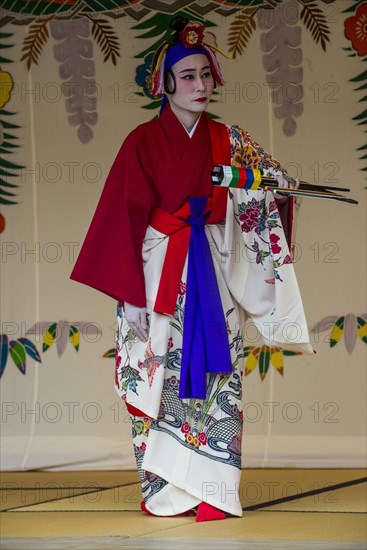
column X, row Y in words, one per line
column 180, row 51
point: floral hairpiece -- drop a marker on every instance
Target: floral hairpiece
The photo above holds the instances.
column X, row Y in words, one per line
column 190, row 35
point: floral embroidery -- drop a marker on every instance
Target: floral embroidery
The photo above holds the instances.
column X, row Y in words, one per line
column 235, row 412
column 192, row 440
column 172, row 382
column 202, row 438
column 235, row 445
column 246, row 157
column 139, row 450
column 130, row 378
column 185, row 428
column 247, row 153
column 250, row 216
column 117, row 364
column 275, row 248
column 273, row 207
column 182, row 290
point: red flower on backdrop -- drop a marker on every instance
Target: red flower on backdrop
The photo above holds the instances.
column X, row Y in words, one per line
column 192, row 35
column 355, row 29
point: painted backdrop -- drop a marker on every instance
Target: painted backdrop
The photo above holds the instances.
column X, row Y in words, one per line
column 72, row 87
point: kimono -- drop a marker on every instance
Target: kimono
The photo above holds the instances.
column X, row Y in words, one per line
column 188, row 449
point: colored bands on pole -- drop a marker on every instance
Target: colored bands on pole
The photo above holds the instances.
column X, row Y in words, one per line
column 241, row 178
column 251, row 179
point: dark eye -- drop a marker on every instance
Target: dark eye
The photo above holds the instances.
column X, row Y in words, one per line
column 207, row 75
column 188, row 77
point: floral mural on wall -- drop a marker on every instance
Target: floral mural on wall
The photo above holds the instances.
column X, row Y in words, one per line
column 75, row 27
column 355, row 30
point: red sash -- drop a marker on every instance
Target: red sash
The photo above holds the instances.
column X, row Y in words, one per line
column 179, row 231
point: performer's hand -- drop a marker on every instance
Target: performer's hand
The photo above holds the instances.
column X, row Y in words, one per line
column 284, row 180
column 136, row 318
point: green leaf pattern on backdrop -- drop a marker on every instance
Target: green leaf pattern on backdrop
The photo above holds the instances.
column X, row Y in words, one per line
column 30, row 349
column 74, row 337
column 9, row 170
column 350, row 326
column 18, row 351
column 18, row 354
column 4, row 349
column 62, row 332
column 49, row 333
column 282, row 41
column 71, row 12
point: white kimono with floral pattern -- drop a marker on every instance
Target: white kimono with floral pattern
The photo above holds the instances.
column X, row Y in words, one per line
column 189, row 450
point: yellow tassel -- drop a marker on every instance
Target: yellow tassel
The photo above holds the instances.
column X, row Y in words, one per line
column 220, row 51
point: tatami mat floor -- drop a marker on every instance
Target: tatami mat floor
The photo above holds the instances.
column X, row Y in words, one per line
column 283, row 509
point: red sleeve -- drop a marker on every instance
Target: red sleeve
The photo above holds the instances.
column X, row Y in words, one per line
column 110, row 259
column 286, row 216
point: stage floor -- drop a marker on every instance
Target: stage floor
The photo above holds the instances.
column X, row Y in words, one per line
column 283, row 509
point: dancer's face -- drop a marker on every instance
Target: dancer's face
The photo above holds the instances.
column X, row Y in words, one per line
column 194, row 85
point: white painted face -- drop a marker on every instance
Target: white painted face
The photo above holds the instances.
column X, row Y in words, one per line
column 194, row 82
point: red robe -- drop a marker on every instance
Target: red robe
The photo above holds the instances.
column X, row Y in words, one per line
column 158, row 165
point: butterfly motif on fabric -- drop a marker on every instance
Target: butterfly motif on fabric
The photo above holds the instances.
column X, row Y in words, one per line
column 151, row 363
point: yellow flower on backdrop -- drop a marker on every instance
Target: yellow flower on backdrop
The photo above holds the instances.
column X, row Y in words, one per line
column 6, row 86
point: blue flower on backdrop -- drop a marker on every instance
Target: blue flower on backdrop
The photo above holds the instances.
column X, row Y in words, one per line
column 143, row 72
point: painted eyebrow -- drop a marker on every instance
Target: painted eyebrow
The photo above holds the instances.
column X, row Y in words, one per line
column 193, row 70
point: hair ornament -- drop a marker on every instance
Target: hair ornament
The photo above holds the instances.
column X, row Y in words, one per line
column 186, row 37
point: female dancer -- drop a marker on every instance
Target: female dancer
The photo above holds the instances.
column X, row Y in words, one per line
column 188, row 263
